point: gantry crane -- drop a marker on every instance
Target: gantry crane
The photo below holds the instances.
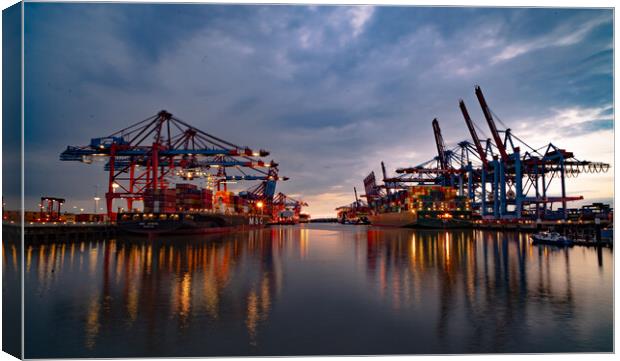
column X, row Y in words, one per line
column 149, row 154
column 438, row 170
column 501, row 182
column 281, row 202
column 508, row 184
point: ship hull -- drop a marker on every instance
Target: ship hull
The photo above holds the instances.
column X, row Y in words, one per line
column 196, row 224
column 443, row 223
column 394, row 219
column 410, row 220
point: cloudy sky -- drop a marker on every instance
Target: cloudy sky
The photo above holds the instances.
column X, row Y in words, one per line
column 330, row 91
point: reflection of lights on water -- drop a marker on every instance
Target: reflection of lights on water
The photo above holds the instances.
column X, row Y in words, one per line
column 132, row 302
column 303, row 243
column 120, row 262
column 127, row 291
column 149, row 257
column 396, row 290
column 211, row 295
column 41, row 264
column 92, row 261
column 14, row 255
column 252, row 318
column 72, row 254
column 265, row 297
column 62, row 256
column 218, row 268
column 413, row 248
column 4, row 260
column 92, row 322
column 28, row 258
column 170, row 258
column 51, row 261
column 447, row 247
column 186, row 289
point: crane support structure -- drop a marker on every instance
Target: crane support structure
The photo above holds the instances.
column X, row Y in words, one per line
column 147, row 156
column 282, row 202
column 502, row 181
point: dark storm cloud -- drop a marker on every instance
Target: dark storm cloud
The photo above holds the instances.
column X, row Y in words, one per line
column 330, row 91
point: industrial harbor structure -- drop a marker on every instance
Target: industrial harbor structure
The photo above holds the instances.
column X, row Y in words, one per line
column 505, row 180
column 501, row 181
column 224, row 180
column 156, row 160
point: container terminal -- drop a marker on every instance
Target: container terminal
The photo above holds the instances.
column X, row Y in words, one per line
column 181, row 175
column 501, row 182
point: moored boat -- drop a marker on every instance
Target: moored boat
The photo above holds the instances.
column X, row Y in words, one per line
column 551, row 238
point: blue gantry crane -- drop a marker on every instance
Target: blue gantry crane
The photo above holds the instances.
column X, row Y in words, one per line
column 149, row 154
column 501, row 180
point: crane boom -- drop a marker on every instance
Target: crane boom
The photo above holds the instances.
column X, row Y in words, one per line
column 472, row 131
column 440, row 145
column 487, row 114
column 383, row 170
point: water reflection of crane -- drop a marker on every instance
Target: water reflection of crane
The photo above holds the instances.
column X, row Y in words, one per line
column 486, row 272
column 193, row 279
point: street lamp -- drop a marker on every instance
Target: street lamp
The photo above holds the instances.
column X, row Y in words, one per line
column 97, row 199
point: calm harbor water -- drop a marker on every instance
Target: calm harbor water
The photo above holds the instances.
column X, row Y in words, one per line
column 316, row 289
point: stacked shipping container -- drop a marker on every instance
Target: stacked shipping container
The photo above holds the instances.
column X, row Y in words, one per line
column 423, row 197
column 160, row 201
column 188, row 197
column 207, row 199
column 437, row 198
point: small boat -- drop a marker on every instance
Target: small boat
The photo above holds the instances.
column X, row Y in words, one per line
column 552, row 238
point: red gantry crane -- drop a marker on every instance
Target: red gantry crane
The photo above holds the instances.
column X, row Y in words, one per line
column 149, row 154
column 286, row 209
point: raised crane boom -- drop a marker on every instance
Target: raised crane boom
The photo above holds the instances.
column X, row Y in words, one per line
column 472, row 131
column 383, row 170
column 147, row 156
column 443, row 164
column 487, row 115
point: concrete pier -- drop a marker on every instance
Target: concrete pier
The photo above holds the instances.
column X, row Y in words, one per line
column 45, row 233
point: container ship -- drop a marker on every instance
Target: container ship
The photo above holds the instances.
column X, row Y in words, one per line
column 424, row 206
column 186, row 209
column 353, row 214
